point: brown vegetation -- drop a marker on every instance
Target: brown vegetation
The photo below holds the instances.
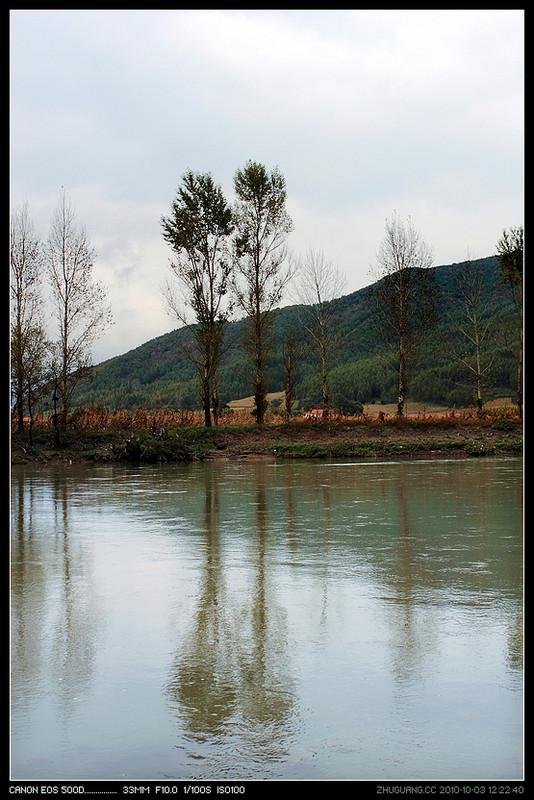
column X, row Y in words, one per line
column 103, row 419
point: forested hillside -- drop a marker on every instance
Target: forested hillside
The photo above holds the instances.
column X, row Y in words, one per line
column 159, row 373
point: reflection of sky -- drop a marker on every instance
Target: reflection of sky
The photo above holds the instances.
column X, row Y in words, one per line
column 328, row 645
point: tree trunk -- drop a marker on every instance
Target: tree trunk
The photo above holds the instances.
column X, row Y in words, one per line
column 259, row 384
column 64, row 401
column 20, row 406
column 55, row 421
column 215, row 406
column 30, row 415
column 402, row 348
column 520, row 378
column 205, row 379
column 260, row 401
column 324, row 381
column 206, row 405
column 64, row 413
column 402, row 382
column 478, row 377
column 289, row 388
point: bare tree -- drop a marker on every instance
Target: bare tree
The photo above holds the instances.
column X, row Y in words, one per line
column 26, row 267
column 474, row 325
column 404, row 293
column 79, row 301
column 198, row 231
column 319, row 288
column 262, row 227
column 510, row 255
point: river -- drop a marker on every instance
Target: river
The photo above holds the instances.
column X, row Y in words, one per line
column 256, row 620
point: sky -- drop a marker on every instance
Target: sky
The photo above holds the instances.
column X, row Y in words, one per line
column 365, row 113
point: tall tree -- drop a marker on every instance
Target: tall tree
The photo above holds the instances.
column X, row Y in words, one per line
column 319, row 288
column 510, row 255
column 262, row 227
column 404, row 295
column 474, row 324
column 198, row 230
column 26, row 277
column 79, row 301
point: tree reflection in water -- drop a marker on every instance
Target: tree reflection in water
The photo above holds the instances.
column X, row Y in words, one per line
column 78, row 615
column 414, row 634
column 232, row 680
column 324, row 597
column 51, row 586
column 28, row 597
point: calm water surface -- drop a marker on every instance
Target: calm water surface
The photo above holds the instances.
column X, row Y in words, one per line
column 255, row 620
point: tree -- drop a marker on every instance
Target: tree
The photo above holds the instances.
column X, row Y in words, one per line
column 319, row 288
column 289, row 356
column 404, row 295
column 35, row 371
column 474, row 325
column 26, row 276
column 262, row 226
column 510, row 255
column 198, row 231
column 79, row 301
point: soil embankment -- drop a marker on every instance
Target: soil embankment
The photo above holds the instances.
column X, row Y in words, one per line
column 316, row 440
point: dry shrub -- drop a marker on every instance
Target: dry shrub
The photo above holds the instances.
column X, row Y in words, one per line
column 102, row 419
column 120, row 420
column 235, row 417
column 502, row 412
column 140, row 418
column 83, row 418
column 164, row 417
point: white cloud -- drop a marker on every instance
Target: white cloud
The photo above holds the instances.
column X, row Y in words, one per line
column 363, row 111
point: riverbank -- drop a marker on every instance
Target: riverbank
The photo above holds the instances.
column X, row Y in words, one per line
column 405, row 438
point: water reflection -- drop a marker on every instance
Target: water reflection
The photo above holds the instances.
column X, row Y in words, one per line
column 28, row 593
column 413, row 636
column 231, row 679
column 56, row 615
column 253, row 610
column 78, row 615
column 514, row 652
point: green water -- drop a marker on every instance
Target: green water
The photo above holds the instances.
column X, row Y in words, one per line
column 252, row 620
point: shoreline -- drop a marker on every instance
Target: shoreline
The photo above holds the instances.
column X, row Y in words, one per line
column 273, row 442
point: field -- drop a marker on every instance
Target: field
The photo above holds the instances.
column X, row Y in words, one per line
column 412, row 408
column 247, row 403
column 374, row 409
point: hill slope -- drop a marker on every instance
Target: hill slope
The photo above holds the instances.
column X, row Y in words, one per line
column 158, row 373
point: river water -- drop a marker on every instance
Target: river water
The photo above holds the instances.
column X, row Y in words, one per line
column 296, row 620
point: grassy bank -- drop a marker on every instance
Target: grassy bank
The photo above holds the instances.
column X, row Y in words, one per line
column 413, row 437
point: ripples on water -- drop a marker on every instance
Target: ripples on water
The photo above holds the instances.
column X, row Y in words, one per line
column 255, row 620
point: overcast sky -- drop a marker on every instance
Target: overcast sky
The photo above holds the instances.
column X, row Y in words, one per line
column 364, row 113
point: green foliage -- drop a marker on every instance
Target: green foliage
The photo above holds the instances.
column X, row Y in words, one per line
column 187, row 444
column 504, row 425
column 157, row 373
column 510, row 255
column 199, row 211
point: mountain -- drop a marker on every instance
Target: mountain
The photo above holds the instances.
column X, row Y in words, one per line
column 158, row 374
